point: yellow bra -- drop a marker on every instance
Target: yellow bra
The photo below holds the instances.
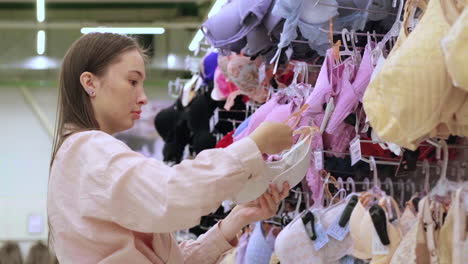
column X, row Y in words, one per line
column 412, row 97
column 454, row 44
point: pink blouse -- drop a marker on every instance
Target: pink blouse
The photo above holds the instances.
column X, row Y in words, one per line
column 109, row 204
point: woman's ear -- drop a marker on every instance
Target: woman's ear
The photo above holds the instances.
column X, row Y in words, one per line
column 89, row 83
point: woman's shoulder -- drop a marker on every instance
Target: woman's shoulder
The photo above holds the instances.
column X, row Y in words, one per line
column 92, row 140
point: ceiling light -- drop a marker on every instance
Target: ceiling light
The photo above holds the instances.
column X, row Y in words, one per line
column 40, row 10
column 41, row 42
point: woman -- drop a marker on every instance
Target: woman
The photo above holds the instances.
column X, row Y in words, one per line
column 109, row 204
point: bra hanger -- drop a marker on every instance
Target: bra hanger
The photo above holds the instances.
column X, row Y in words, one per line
column 393, row 32
column 410, row 187
column 461, row 171
column 441, row 193
column 345, row 37
column 389, row 185
column 326, row 188
column 366, row 184
column 401, row 188
column 376, row 191
column 350, row 185
column 354, row 40
column 427, row 171
column 341, row 184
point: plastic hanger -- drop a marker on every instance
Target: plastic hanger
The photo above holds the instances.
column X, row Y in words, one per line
column 443, row 186
column 427, row 171
column 393, row 32
column 354, row 40
column 389, row 185
column 401, row 188
column 461, row 171
column 373, row 167
column 376, row 191
column 342, row 187
column 410, row 187
column 345, row 37
column 350, row 185
column 366, row 184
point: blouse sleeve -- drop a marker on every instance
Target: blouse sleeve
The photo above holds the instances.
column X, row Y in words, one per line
column 145, row 195
column 208, row 248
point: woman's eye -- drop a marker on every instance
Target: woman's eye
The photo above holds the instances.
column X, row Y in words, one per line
column 133, row 82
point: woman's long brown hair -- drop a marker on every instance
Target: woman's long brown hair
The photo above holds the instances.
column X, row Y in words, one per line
column 92, row 53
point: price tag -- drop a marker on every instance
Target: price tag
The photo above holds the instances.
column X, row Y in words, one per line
column 338, row 232
column 261, row 73
column 214, row 119
column 318, row 160
column 322, row 237
column 355, row 150
column 377, row 247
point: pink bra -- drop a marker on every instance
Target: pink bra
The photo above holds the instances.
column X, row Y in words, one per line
column 272, row 111
column 351, row 94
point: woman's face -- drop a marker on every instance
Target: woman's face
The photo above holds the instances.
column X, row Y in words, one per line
column 119, row 93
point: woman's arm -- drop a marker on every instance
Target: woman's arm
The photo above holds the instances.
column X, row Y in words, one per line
column 145, row 195
column 222, row 237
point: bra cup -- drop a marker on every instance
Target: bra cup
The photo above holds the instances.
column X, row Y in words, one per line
column 298, row 163
column 407, row 220
column 293, row 245
column 361, row 233
column 357, row 217
column 251, row 191
column 394, row 234
column 291, row 168
column 335, row 250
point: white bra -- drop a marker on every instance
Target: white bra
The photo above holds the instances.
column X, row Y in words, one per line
column 291, row 168
column 294, row 246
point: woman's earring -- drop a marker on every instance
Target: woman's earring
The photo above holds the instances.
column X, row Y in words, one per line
column 90, row 92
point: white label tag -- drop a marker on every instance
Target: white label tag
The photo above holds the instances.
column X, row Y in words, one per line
column 289, row 53
column 214, row 119
column 365, row 128
column 338, row 232
column 377, row 247
column 318, row 160
column 322, row 237
column 261, row 73
column 355, row 150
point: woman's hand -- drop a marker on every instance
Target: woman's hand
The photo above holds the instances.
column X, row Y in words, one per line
column 265, row 206
column 272, row 138
column 261, row 209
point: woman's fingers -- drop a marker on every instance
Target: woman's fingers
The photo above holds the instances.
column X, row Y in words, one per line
column 275, row 193
column 285, row 192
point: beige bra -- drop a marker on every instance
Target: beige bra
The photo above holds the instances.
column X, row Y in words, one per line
column 362, row 234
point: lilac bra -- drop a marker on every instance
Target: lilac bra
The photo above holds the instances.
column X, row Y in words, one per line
column 326, row 85
column 228, row 28
column 351, row 94
column 259, row 39
column 277, row 109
